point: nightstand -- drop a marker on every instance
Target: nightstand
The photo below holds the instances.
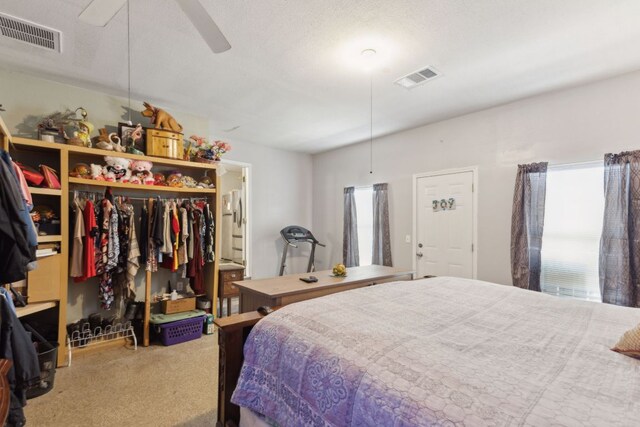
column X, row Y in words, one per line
column 228, row 274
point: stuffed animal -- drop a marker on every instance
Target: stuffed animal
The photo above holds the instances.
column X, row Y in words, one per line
column 96, row 172
column 159, row 179
column 188, row 182
column 141, row 172
column 160, row 119
column 175, row 180
column 206, row 182
column 81, row 170
column 117, row 169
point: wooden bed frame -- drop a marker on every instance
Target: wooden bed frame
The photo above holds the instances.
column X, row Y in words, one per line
column 5, row 398
column 232, row 334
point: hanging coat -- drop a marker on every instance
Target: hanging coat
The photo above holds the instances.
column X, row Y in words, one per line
column 17, row 245
column 16, row 345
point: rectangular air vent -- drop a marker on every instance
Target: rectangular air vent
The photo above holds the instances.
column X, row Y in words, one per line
column 417, row 78
column 29, row 32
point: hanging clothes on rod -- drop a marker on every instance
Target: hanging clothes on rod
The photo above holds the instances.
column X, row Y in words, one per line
column 175, row 233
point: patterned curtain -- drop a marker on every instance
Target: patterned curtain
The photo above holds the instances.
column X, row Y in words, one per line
column 527, row 223
column 620, row 242
column 381, row 237
column 350, row 254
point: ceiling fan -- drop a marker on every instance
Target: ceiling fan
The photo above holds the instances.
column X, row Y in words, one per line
column 100, row 12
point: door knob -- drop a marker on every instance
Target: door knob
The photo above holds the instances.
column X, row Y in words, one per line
column 419, row 254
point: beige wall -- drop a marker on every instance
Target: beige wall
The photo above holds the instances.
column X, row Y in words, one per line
column 280, row 195
column 573, row 125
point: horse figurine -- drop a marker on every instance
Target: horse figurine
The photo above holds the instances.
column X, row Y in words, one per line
column 160, row 119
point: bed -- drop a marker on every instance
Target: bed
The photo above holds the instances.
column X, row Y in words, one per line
column 440, row 351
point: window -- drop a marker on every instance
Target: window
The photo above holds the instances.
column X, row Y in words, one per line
column 364, row 210
column 572, row 226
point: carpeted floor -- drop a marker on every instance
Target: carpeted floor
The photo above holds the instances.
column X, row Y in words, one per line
column 153, row 386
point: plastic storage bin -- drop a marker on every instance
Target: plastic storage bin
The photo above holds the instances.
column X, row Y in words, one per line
column 181, row 330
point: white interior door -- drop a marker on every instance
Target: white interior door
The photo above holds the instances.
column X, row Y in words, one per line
column 444, row 234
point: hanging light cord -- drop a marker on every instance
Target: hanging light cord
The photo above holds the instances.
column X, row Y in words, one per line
column 371, row 123
column 129, row 58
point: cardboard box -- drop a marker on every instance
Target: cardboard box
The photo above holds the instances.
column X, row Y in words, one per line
column 179, row 305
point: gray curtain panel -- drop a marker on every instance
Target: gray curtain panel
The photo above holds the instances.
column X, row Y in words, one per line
column 527, row 223
column 350, row 254
column 620, row 241
column 381, row 236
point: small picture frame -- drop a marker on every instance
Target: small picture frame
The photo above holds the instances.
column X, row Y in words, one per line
column 124, row 132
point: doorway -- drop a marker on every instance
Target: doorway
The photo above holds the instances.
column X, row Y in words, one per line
column 236, row 215
column 445, row 223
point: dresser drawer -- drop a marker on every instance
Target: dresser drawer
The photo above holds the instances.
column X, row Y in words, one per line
column 232, row 275
column 230, row 290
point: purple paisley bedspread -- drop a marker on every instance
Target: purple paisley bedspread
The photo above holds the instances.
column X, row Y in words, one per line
column 441, row 351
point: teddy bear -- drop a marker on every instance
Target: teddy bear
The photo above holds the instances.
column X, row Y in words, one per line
column 96, row 172
column 117, row 169
column 141, row 172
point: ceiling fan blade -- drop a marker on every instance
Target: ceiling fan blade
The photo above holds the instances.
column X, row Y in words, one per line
column 100, row 12
column 205, row 25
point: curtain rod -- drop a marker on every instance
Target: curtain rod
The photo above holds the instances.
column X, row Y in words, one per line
column 589, row 162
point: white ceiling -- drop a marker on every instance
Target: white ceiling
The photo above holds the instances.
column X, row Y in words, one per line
column 292, row 78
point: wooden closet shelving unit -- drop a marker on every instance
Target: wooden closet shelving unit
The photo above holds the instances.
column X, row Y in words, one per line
column 67, row 155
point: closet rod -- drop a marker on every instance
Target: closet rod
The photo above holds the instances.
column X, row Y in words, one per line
column 101, row 195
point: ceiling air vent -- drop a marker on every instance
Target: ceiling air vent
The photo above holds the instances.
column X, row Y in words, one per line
column 29, row 32
column 417, row 78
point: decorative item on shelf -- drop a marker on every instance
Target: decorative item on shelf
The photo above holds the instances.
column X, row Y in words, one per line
column 160, row 119
column 83, row 129
column 174, row 180
column 51, row 127
column 164, row 143
column 188, row 182
column 117, row 169
column 205, row 151
column 35, row 216
column 108, row 141
column 159, row 179
column 47, row 222
column 81, row 170
column 339, row 270
column 205, row 182
column 132, row 138
column 141, row 172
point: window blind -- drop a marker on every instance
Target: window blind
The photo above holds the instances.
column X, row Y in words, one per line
column 572, row 226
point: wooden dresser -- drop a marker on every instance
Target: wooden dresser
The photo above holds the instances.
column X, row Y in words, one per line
column 229, row 273
column 284, row 290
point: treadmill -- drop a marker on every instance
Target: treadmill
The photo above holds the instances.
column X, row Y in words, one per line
column 294, row 234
